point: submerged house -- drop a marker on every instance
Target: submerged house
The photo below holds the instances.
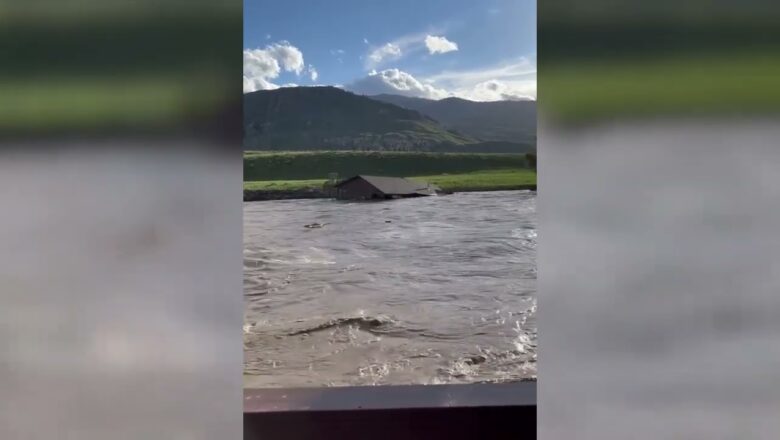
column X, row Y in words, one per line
column 380, row 188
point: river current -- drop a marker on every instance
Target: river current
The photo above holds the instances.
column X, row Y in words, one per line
column 427, row 290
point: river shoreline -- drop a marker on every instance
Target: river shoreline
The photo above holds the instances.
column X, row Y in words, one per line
column 315, row 193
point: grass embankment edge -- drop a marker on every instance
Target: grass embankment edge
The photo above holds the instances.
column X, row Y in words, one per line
column 489, row 180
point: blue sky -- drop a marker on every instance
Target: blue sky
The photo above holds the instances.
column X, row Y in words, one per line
column 482, row 50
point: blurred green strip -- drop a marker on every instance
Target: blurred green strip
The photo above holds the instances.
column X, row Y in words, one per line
column 730, row 84
column 96, row 103
column 85, row 11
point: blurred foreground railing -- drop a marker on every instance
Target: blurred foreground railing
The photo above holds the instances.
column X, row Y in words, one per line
column 490, row 411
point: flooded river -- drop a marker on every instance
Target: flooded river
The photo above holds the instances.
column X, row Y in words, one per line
column 414, row 291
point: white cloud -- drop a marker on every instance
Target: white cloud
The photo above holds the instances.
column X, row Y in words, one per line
column 253, row 84
column 262, row 66
column 497, row 90
column 439, row 44
column 395, row 82
column 395, row 50
column 515, row 69
column 289, row 56
column 513, row 81
column 365, row 40
column 313, row 73
column 259, row 68
column 389, row 51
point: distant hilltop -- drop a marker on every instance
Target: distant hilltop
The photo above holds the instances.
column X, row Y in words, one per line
column 329, row 118
column 497, row 121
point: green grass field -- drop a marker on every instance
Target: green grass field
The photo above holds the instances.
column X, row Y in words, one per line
column 483, row 180
column 283, row 185
column 294, row 171
column 285, row 166
column 490, row 180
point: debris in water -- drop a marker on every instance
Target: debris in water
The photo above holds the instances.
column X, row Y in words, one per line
column 475, row 360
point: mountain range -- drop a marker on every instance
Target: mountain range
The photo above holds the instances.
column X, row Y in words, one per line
column 507, row 121
column 329, row 118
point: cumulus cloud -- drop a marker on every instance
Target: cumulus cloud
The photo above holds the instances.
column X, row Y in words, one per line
column 439, row 44
column 395, row 82
column 389, row 51
column 259, row 69
column 289, row 56
column 497, row 90
column 262, row 66
column 507, row 82
column 313, row 73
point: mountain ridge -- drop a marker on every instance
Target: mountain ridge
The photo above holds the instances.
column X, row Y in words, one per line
column 503, row 121
column 326, row 117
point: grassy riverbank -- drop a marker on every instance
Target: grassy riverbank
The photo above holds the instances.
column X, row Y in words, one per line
column 288, row 175
column 489, row 180
column 286, row 166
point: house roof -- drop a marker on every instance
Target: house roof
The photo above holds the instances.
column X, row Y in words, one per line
column 394, row 185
